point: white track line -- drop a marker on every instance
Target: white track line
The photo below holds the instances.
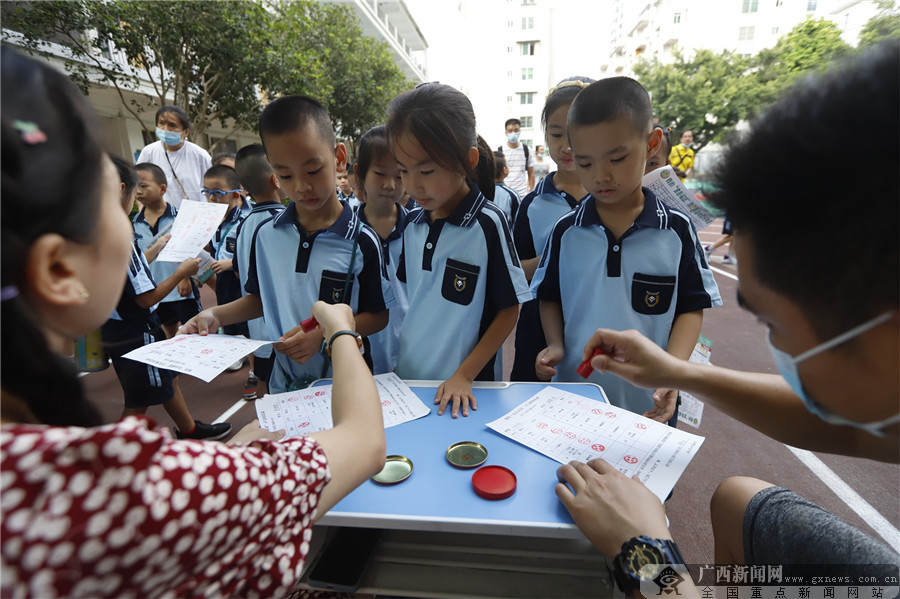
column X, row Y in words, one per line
column 723, row 272
column 870, row 515
column 228, row 413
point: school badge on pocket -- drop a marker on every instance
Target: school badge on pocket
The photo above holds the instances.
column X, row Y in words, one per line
column 459, row 283
column 651, row 299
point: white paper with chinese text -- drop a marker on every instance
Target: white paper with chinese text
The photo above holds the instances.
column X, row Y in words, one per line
column 202, row 356
column 565, row 427
column 666, row 186
column 195, row 225
column 309, row 410
column 690, row 411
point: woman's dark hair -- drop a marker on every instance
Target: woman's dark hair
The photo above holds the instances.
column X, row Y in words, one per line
column 564, row 92
column 442, row 121
column 49, row 148
column 372, row 146
column 486, row 169
column 127, row 174
column 179, row 113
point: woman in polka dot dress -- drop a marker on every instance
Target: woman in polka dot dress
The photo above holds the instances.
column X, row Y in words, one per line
column 124, row 509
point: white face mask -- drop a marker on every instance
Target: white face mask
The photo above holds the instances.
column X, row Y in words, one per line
column 787, row 366
column 513, row 137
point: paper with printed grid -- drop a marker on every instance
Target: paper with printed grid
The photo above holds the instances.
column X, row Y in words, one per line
column 195, row 224
column 202, row 356
column 669, row 190
column 565, row 427
column 309, row 410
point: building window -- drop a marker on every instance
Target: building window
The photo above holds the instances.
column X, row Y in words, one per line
column 746, row 33
column 775, row 30
column 526, row 98
column 527, row 48
column 527, row 142
column 527, row 121
column 528, row 1
column 779, row 3
column 509, row 23
column 509, row 49
column 508, row 99
column 527, row 74
column 677, row 18
column 527, row 22
column 750, row 6
column 811, row 5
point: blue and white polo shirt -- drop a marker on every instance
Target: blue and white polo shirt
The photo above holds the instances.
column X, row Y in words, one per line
column 160, row 270
column 507, row 200
column 224, row 242
column 642, row 281
column 261, row 212
column 385, row 344
column 291, row 269
column 139, row 281
column 459, row 273
column 538, row 213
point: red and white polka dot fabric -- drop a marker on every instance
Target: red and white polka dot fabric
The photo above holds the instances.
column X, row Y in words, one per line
column 126, row 510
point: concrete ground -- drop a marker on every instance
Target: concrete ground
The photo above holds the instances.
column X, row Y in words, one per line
column 865, row 493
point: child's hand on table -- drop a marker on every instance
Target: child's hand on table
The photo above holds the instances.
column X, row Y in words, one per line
column 456, row 389
column 546, row 360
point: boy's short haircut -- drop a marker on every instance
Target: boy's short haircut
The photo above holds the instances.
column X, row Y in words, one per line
column 221, row 156
column 499, row 164
column 849, row 268
column 225, row 172
column 179, row 113
column 512, row 122
column 156, row 173
column 608, row 99
column 292, row 113
column 253, row 170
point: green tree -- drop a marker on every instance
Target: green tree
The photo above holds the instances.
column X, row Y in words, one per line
column 810, row 45
column 884, row 25
column 353, row 75
column 204, row 55
column 707, row 93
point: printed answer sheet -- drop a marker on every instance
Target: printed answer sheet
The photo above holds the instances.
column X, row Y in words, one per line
column 194, row 226
column 202, row 356
column 671, row 191
column 309, row 410
column 565, row 426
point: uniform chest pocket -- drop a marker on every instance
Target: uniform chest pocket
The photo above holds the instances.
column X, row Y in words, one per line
column 459, row 282
column 651, row 294
column 231, row 245
column 331, row 288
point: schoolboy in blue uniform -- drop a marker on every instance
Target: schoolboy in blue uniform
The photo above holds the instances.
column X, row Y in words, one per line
column 257, row 177
column 304, row 253
column 621, row 259
column 132, row 325
column 221, row 185
column 504, row 195
column 155, row 218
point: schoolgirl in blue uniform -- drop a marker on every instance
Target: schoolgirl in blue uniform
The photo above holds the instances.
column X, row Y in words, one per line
column 553, row 196
column 462, row 274
column 377, row 172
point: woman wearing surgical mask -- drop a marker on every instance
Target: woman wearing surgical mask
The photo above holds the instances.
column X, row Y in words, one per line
column 183, row 162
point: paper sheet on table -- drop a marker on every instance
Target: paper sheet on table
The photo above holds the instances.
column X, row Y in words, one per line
column 309, row 410
column 202, row 356
column 671, row 191
column 565, row 426
column 195, row 225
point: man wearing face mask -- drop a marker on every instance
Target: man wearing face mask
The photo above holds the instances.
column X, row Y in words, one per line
column 183, row 162
column 518, row 160
column 833, row 315
column 682, row 156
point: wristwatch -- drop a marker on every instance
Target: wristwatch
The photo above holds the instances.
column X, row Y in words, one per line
column 639, row 552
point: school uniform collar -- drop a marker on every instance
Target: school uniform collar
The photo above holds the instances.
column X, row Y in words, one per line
column 463, row 216
column 236, row 213
column 169, row 211
column 344, row 226
column 402, row 217
column 546, row 186
column 655, row 214
column 263, row 206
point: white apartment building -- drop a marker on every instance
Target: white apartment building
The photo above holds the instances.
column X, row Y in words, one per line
column 391, row 21
column 656, row 28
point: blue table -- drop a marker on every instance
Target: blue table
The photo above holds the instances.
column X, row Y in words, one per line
column 439, row 497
